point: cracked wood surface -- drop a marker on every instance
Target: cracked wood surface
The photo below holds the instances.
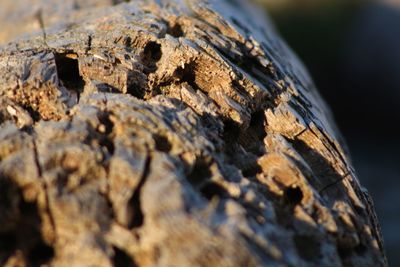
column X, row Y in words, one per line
column 168, row 133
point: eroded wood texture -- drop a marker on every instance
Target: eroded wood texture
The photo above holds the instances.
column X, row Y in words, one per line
column 170, row 133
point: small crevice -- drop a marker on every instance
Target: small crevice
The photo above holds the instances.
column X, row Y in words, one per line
column 251, row 65
column 122, row 259
column 252, row 167
column 151, row 55
column 37, row 162
column 252, row 139
column 68, row 73
column 231, row 132
column 105, row 129
column 176, row 30
column 137, row 91
column 24, row 227
column 40, row 174
column 35, row 115
column 301, row 132
column 89, row 44
column 108, row 144
column 134, row 204
column 40, row 254
column 187, row 73
column 320, row 166
column 243, row 147
column 212, row 190
column 162, row 143
column 257, row 121
column 332, row 184
column 293, row 195
column 200, row 171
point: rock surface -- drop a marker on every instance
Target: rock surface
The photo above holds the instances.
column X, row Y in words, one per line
column 169, row 133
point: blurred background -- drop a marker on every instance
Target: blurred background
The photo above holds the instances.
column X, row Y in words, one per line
column 352, row 50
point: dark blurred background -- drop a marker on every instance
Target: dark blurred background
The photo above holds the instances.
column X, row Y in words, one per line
column 352, row 50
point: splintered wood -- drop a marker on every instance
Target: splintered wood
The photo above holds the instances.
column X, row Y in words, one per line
column 168, row 133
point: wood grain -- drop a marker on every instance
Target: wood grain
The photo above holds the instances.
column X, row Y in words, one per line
column 169, row 133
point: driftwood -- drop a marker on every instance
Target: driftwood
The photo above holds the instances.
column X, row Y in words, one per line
column 168, row 133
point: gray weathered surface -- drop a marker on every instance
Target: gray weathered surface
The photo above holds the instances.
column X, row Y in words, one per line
column 170, row 133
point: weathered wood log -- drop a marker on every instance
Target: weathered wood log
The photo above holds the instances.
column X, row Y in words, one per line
column 169, row 133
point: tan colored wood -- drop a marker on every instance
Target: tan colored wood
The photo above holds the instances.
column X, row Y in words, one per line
column 169, row 133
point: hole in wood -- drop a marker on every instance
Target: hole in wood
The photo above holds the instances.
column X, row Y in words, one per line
column 176, row 30
column 162, row 143
column 35, row 115
column 212, row 189
column 187, row 73
column 231, row 131
column 108, row 144
column 252, row 170
column 252, row 138
column 293, row 195
column 136, row 210
column 40, row 254
column 151, row 53
column 122, row 259
column 68, row 72
column 134, row 204
column 137, row 84
column 200, row 171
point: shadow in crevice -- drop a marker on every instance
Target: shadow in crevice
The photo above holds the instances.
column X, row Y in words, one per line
column 330, row 186
column 242, row 147
column 200, row 171
column 122, row 259
column 22, row 225
column 175, row 30
column 324, row 174
column 187, row 73
column 68, row 72
column 151, row 55
column 134, row 204
column 162, row 143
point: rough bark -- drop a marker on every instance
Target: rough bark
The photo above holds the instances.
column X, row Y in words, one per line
column 169, row 133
